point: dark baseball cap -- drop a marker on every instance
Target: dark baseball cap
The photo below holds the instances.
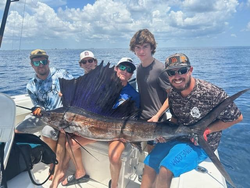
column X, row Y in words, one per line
column 177, row 60
column 38, row 53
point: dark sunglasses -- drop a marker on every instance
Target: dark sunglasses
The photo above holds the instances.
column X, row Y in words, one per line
column 37, row 63
column 180, row 71
column 85, row 61
column 127, row 68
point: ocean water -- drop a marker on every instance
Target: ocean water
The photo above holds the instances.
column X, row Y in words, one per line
column 228, row 68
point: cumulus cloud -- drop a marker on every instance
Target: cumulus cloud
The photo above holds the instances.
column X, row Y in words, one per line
column 248, row 26
column 233, row 35
column 116, row 20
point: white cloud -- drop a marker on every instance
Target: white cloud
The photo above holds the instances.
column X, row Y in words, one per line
column 2, row 4
column 233, row 35
column 197, row 6
column 116, row 20
column 248, row 26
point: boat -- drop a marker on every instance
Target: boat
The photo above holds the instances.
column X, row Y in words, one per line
column 206, row 175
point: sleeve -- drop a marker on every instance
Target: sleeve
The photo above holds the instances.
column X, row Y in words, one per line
column 171, row 107
column 164, row 81
column 32, row 96
column 231, row 112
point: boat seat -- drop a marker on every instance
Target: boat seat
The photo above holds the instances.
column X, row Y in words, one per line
column 7, row 124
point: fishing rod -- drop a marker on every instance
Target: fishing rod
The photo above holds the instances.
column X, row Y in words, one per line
column 132, row 80
column 24, row 107
column 5, row 14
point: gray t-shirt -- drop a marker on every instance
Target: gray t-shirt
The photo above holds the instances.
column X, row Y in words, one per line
column 152, row 84
column 203, row 98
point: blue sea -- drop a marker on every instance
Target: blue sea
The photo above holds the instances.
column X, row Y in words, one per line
column 226, row 67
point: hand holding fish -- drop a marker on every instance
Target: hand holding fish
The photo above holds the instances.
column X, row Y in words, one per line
column 194, row 137
column 155, row 118
column 36, row 111
column 161, row 140
column 206, row 132
column 60, row 94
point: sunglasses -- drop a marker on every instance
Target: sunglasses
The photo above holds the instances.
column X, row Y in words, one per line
column 37, row 63
column 85, row 61
column 180, row 71
column 127, row 68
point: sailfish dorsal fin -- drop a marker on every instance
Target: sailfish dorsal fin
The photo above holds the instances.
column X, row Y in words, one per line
column 97, row 92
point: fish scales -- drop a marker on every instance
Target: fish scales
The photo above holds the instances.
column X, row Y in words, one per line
column 97, row 127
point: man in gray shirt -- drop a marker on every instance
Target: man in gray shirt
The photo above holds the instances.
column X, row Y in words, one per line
column 152, row 81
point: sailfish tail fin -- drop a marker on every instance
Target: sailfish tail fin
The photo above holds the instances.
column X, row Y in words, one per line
column 204, row 145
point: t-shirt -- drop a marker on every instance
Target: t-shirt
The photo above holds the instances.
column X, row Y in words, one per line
column 44, row 93
column 128, row 92
column 203, row 98
column 152, row 85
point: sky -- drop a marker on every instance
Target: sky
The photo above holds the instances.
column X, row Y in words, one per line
column 77, row 24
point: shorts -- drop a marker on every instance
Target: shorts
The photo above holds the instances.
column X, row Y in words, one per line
column 50, row 132
column 178, row 157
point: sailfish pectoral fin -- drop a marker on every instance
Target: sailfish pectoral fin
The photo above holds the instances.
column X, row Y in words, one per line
column 204, row 145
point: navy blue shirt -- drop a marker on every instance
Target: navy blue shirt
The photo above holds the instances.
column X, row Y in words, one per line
column 128, row 92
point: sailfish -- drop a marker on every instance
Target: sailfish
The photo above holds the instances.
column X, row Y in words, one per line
column 88, row 111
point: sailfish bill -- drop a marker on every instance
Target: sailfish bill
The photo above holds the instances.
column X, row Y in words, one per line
column 88, row 112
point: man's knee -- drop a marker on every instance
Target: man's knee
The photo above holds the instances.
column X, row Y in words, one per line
column 115, row 158
column 165, row 173
column 72, row 146
column 148, row 170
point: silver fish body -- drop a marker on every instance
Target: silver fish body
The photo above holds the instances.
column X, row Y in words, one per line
column 97, row 127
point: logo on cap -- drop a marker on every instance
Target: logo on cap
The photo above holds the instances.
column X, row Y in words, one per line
column 183, row 59
column 177, row 60
column 173, row 60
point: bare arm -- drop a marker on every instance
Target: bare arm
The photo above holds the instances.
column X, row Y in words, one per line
column 220, row 125
column 156, row 117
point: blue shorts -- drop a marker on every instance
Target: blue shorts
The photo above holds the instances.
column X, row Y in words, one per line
column 178, row 157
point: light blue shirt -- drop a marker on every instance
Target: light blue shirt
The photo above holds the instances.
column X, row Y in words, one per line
column 45, row 93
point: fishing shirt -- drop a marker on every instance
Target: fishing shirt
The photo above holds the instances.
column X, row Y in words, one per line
column 45, row 93
column 203, row 98
column 128, row 92
column 152, row 85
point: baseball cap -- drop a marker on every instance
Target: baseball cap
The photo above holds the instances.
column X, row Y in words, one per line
column 177, row 60
column 127, row 61
column 85, row 54
column 38, row 53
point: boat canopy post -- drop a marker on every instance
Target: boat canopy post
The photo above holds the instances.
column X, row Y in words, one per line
column 5, row 14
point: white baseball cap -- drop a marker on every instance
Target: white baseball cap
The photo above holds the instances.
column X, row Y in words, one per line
column 127, row 61
column 85, row 54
